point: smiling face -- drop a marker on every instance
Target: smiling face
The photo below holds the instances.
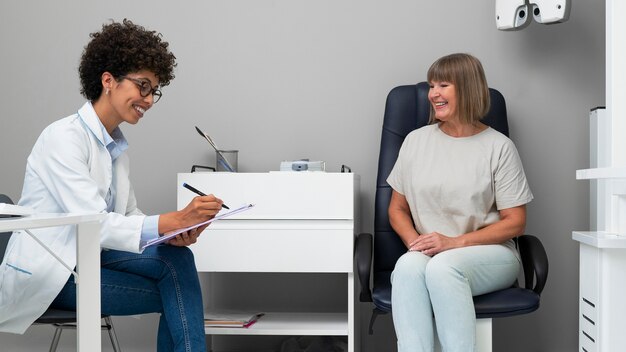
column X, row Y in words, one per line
column 443, row 98
column 121, row 99
column 459, row 89
column 126, row 97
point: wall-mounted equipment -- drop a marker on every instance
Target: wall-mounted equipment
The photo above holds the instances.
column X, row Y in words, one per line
column 514, row 15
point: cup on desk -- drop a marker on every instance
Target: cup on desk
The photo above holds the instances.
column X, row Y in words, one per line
column 231, row 158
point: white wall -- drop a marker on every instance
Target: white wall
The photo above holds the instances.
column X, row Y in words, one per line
column 287, row 79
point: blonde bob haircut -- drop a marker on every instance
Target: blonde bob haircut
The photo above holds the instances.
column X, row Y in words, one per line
column 466, row 73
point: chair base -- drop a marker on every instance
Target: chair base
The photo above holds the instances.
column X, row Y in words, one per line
column 108, row 325
column 484, row 336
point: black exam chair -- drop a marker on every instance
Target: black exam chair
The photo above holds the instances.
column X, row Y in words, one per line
column 61, row 319
column 407, row 109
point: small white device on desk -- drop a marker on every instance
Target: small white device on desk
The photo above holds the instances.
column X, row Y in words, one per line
column 302, row 223
column 302, row 165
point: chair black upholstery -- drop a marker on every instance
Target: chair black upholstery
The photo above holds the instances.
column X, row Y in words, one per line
column 407, row 108
column 61, row 319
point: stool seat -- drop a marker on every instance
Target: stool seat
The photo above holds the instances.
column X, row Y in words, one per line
column 58, row 316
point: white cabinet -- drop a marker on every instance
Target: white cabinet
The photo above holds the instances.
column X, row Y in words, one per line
column 302, row 223
column 602, row 291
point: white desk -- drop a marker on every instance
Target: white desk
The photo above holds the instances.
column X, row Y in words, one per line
column 88, row 264
column 302, row 223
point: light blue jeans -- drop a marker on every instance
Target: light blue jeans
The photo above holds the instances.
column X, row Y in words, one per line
column 163, row 279
column 443, row 286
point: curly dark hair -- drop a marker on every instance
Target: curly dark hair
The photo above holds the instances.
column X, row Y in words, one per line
column 122, row 48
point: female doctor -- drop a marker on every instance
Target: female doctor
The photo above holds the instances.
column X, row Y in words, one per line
column 79, row 164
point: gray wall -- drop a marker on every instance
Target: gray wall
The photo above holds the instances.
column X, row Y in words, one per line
column 286, row 79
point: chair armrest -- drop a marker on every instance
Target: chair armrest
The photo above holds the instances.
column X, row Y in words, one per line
column 535, row 262
column 363, row 254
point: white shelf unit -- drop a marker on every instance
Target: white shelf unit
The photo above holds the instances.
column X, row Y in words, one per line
column 602, row 290
column 600, row 239
column 302, row 223
column 601, row 173
column 602, row 251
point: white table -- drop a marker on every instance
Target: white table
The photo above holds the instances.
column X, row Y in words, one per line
column 88, row 265
column 303, row 223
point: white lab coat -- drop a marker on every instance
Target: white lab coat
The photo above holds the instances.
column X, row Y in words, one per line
column 68, row 170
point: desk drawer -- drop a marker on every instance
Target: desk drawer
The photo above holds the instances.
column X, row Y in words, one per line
column 278, row 195
column 275, row 250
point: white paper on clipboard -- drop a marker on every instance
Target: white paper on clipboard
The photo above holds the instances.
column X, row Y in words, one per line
column 169, row 235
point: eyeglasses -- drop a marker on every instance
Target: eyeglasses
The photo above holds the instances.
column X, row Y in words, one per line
column 145, row 88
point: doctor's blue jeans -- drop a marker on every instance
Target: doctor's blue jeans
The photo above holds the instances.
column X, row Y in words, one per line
column 163, row 279
column 429, row 292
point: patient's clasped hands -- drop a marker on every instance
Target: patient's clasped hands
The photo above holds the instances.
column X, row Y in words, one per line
column 433, row 243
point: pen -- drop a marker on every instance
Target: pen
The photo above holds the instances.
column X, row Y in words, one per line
column 199, row 193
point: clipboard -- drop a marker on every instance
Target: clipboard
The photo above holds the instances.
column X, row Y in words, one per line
column 169, row 235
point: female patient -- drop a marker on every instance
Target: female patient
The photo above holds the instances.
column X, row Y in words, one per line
column 459, row 195
column 79, row 164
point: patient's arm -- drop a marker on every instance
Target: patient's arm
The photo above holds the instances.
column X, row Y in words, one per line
column 511, row 224
column 400, row 219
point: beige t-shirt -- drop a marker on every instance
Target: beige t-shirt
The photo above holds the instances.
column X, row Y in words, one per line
column 457, row 185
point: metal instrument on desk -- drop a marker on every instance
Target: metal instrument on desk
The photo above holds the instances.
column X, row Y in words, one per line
column 221, row 158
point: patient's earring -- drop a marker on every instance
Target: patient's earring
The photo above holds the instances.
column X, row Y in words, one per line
column 106, row 91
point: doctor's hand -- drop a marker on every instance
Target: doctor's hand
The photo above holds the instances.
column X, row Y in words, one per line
column 188, row 237
column 201, row 208
column 433, row 243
